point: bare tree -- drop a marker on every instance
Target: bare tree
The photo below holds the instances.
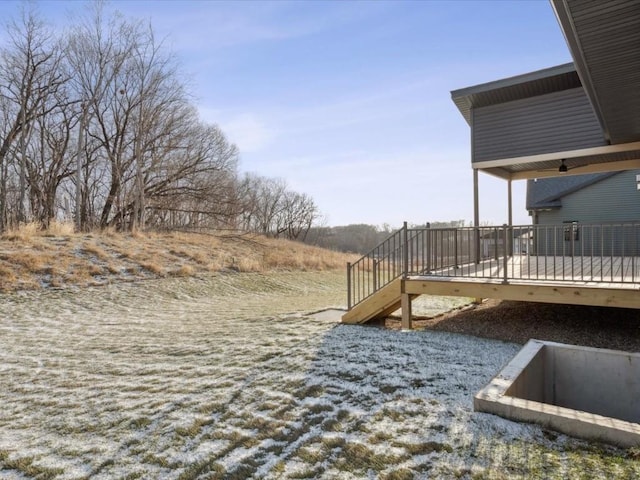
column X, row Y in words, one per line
column 98, row 48
column 50, row 160
column 100, row 114
column 195, row 173
column 30, row 76
column 300, row 213
column 270, row 208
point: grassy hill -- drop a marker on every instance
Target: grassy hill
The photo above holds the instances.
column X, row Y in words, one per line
column 31, row 258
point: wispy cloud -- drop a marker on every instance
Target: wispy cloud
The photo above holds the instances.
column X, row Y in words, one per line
column 213, row 25
column 249, row 132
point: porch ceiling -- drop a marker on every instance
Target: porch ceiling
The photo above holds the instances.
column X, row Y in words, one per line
column 607, row 158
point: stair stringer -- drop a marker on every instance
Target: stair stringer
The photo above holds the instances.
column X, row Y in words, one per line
column 379, row 305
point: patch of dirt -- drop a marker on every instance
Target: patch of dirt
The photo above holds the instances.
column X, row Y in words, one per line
column 517, row 322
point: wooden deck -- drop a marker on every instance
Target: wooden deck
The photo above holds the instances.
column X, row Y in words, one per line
column 597, row 281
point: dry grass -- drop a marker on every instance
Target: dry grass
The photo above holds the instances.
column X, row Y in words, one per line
column 60, row 229
column 31, row 258
column 23, row 233
column 97, row 250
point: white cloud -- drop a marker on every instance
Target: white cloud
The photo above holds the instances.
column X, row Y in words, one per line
column 248, row 132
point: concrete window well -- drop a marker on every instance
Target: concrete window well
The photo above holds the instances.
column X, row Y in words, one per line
column 590, row 393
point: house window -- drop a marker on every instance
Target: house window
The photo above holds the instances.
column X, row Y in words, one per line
column 571, row 231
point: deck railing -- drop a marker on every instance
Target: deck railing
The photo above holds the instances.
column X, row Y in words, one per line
column 599, row 253
column 377, row 268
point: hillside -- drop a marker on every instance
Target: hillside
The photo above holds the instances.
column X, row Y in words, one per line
column 33, row 259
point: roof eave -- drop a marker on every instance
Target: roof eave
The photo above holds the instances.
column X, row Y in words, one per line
column 565, row 20
column 515, row 80
column 464, row 98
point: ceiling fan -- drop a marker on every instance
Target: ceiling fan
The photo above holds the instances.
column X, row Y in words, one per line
column 561, row 169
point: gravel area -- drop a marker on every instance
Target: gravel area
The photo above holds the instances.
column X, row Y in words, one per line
column 517, row 322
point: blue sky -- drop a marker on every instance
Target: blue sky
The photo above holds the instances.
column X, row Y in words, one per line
column 349, row 101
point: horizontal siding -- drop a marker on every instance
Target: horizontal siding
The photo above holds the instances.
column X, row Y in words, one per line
column 614, row 199
column 609, row 37
column 544, row 124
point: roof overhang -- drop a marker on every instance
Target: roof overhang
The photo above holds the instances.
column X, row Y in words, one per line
column 540, row 82
column 604, row 40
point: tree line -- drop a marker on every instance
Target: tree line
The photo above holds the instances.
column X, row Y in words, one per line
column 97, row 125
column 362, row 238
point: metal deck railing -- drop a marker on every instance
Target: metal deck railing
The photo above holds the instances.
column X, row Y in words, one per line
column 577, row 252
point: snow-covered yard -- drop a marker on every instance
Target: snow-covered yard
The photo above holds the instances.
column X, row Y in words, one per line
column 227, row 377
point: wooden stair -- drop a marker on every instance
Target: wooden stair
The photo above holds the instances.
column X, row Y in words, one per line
column 380, row 304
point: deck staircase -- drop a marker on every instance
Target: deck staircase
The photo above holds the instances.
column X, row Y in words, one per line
column 380, row 304
column 375, row 281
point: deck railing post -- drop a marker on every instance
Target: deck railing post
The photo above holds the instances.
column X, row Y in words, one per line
column 455, row 248
column 349, row 285
column 505, row 259
column 511, row 241
column 375, row 275
column 428, row 232
column 405, row 250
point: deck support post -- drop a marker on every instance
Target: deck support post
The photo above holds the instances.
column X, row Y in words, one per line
column 505, row 258
column 476, row 215
column 405, row 305
column 509, row 203
column 510, row 216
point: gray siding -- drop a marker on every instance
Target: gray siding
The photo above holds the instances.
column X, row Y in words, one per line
column 543, row 124
column 613, row 200
column 604, row 38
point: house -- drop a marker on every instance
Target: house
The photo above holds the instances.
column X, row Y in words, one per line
column 594, row 198
column 577, row 118
column 597, row 213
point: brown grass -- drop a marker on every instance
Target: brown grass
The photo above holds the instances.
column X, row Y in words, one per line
column 23, row 233
column 152, row 267
column 183, row 271
column 31, row 257
column 98, row 251
column 60, row 229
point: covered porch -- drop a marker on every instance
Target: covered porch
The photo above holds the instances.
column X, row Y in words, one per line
column 577, row 118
